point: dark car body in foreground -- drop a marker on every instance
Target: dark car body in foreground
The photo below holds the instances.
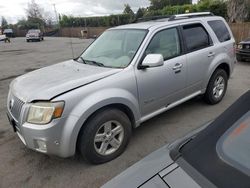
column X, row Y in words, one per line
column 243, row 50
column 215, row 155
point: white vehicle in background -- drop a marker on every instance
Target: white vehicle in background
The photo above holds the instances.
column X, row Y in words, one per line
column 34, row 35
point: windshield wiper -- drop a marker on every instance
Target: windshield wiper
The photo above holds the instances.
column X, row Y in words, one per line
column 86, row 61
column 95, row 63
column 82, row 59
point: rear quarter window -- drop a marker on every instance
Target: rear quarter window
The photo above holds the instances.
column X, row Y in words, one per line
column 220, row 30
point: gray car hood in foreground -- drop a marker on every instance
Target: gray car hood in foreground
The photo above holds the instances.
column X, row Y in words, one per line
column 45, row 83
column 142, row 171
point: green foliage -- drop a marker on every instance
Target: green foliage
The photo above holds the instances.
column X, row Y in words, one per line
column 218, row 7
column 160, row 4
column 31, row 23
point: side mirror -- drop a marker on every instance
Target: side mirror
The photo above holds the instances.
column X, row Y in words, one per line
column 152, row 60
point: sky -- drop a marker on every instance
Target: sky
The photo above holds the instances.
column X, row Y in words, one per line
column 13, row 10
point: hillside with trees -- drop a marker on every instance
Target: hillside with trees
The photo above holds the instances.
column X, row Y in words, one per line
column 231, row 10
column 227, row 9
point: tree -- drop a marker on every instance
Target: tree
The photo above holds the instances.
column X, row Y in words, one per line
column 238, row 11
column 4, row 23
column 35, row 18
column 139, row 13
column 128, row 10
column 34, row 11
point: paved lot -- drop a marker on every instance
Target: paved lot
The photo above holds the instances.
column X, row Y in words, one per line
column 21, row 167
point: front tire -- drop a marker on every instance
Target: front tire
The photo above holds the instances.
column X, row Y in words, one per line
column 105, row 136
column 217, row 87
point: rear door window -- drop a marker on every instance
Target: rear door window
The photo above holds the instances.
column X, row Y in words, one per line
column 220, row 30
column 196, row 37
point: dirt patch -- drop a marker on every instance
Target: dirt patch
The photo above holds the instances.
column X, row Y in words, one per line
column 16, row 52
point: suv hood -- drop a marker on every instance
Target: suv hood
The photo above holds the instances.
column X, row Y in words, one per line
column 246, row 41
column 48, row 82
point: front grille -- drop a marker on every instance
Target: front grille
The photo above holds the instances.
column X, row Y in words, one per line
column 15, row 106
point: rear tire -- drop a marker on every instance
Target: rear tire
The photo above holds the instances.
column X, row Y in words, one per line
column 105, row 136
column 217, row 87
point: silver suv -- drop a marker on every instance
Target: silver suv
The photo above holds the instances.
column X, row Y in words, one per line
column 34, row 34
column 128, row 75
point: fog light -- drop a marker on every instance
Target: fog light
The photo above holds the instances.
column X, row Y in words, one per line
column 41, row 146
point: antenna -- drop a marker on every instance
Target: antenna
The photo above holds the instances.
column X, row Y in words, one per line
column 71, row 43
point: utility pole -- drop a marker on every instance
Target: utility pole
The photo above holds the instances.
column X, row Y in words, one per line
column 57, row 20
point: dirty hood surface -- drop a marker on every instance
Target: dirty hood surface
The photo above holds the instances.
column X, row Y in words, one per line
column 45, row 83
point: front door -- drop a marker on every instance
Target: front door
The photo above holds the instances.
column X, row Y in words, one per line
column 160, row 86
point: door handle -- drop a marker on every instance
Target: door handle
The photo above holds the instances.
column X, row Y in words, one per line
column 177, row 66
column 211, row 54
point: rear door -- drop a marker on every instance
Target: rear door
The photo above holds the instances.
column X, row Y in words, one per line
column 200, row 53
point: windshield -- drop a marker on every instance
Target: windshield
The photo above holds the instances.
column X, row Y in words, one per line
column 233, row 147
column 33, row 31
column 114, row 48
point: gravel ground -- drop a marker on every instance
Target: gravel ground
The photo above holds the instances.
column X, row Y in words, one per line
column 21, row 167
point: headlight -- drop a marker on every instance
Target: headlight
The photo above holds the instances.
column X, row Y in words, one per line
column 240, row 46
column 44, row 112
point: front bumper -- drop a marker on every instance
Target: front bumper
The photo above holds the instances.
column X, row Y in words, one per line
column 33, row 38
column 50, row 138
column 243, row 53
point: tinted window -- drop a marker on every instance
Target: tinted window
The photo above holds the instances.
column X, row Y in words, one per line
column 165, row 42
column 196, row 37
column 220, row 30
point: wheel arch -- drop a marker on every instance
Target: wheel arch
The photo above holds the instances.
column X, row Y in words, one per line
column 225, row 66
column 122, row 107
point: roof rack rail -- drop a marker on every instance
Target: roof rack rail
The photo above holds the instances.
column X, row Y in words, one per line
column 190, row 15
column 149, row 18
